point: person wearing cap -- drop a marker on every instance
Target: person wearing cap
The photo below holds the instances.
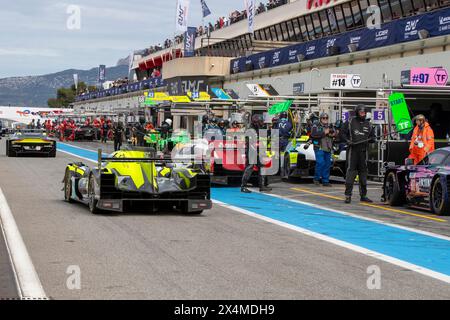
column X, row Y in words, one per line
column 357, row 133
column 322, row 136
column 422, row 140
column 252, row 148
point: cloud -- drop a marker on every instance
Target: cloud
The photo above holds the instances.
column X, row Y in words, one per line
column 110, row 29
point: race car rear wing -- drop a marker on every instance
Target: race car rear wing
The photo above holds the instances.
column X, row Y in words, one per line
column 161, row 161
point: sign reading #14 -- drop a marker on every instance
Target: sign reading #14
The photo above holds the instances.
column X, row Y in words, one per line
column 345, row 81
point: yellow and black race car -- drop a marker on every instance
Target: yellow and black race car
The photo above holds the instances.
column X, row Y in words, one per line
column 30, row 143
column 135, row 180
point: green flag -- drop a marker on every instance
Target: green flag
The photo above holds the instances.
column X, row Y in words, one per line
column 280, row 107
column 149, row 102
column 400, row 112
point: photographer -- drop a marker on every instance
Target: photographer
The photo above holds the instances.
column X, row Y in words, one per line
column 322, row 136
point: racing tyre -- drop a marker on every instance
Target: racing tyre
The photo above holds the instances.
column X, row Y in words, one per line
column 67, row 187
column 285, row 170
column 439, row 204
column 394, row 190
column 91, row 192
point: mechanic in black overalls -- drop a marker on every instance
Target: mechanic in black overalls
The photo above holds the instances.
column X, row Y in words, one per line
column 357, row 133
column 118, row 134
column 253, row 148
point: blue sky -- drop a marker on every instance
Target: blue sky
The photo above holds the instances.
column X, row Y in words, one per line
column 35, row 40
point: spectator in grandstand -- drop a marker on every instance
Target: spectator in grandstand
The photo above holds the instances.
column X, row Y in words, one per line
column 156, row 73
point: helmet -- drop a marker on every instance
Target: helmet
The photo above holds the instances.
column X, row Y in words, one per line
column 257, row 120
column 234, row 123
column 324, row 115
column 360, row 108
column 283, row 115
column 169, row 121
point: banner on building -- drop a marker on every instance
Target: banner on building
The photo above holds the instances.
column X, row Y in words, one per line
column 75, row 80
column 101, row 73
column 205, row 9
column 436, row 24
column 182, row 15
column 250, row 6
column 189, row 42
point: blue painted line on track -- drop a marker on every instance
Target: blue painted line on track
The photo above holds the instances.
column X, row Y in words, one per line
column 419, row 249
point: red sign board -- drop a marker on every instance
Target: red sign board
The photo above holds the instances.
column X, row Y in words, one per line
column 311, row 4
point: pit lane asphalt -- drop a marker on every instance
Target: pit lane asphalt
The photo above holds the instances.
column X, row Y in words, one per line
column 219, row 255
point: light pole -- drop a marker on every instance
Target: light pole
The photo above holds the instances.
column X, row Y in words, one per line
column 311, row 86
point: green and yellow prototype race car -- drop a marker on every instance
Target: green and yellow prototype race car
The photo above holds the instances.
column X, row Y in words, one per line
column 135, row 180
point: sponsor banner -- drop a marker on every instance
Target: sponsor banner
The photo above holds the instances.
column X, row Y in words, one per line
column 407, row 29
column 182, row 15
column 262, row 90
column 180, row 99
column 25, row 115
column 157, row 96
column 199, row 96
column 189, row 42
column 75, row 81
column 250, row 6
column 220, row 94
column 101, row 73
column 205, row 10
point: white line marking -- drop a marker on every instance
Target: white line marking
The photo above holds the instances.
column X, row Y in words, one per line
column 346, row 245
column 27, row 280
column 426, row 233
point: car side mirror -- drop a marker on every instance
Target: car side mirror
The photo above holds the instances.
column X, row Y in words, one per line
column 409, row 162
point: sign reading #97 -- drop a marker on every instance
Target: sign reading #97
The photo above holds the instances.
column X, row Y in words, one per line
column 428, row 77
column 345, row 81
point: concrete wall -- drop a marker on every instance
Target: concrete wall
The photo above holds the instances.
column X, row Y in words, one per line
column 197, row 66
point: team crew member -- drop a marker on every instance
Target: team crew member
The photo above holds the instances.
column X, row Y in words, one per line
column 118, row 134
column 285, row 131
column 422, row 141
column 322, row 136
column 251, row 149
column 358, row 133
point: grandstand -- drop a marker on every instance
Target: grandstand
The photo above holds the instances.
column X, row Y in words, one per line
column 294, row 39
